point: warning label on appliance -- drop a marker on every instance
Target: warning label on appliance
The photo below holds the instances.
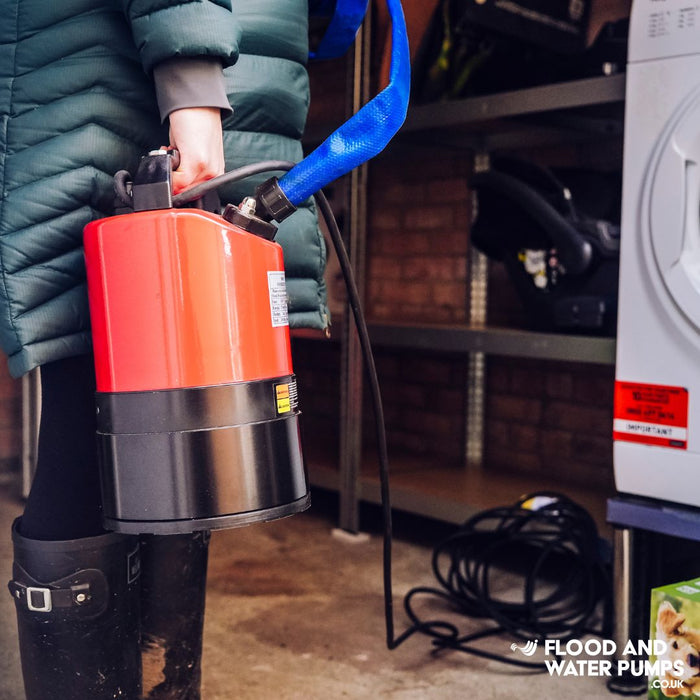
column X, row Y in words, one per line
column 278, row 298
column 286, row 397
column 651, row 414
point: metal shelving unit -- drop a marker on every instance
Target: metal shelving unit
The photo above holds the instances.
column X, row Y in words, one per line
column 560, row 113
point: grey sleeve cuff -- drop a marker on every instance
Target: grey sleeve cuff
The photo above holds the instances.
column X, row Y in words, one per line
column 190, row 82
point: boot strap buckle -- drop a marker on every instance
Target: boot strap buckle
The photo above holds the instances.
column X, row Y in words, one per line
column 45, row 596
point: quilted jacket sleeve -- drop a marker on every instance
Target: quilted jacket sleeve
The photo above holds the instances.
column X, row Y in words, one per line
column 163, row 29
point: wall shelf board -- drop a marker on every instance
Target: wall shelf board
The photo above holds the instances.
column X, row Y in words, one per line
column 494, row 341
column 588, row 92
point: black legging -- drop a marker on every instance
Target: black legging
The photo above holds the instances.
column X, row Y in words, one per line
column 65, row 501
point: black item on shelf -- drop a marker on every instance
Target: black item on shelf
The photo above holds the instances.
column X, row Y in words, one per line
column 562, row 262
column 460, row 57
column 556, row 25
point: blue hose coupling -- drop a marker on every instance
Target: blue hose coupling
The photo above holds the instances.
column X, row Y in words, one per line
column 271, row 201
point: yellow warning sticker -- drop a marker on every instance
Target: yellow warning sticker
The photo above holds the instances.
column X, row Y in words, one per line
column 284, row 404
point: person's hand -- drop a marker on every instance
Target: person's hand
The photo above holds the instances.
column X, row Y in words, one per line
column 196, row 133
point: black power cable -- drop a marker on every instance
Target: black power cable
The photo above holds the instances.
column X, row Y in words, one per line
column 560, row 529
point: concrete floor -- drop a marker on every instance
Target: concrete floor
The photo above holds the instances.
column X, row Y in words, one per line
column 295, row 613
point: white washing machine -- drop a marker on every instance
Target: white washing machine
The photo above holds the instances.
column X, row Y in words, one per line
column 657, row 388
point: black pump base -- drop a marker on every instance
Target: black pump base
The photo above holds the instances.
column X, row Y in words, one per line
column 219, row 522
column 201, row 458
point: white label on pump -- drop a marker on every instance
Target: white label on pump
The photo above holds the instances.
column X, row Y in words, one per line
column 278, row 298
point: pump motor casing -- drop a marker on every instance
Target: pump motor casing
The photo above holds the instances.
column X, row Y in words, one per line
column 197, row 405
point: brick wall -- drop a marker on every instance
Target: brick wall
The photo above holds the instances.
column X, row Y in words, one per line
column 550, row 419
column 417, row 236
column 423, row 397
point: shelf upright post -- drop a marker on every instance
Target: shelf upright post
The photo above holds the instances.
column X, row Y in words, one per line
column 476, row 368
column 351, row 367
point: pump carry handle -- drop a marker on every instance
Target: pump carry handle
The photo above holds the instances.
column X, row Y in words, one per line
column 361, row 137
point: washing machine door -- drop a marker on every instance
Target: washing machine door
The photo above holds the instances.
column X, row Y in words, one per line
column 671, row 210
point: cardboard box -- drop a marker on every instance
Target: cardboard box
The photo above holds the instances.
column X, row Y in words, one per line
column 560, row 25
column 675, row 633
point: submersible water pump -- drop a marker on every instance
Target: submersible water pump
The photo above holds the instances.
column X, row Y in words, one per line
column 196, row 398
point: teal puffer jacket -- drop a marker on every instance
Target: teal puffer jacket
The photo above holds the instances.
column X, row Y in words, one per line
column 77, row 104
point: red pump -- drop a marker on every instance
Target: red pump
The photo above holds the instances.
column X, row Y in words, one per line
column 196, row 396
column 182, row 298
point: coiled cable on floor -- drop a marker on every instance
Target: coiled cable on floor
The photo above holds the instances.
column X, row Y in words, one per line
column 547, row 545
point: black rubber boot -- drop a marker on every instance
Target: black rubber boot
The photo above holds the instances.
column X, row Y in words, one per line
column 78, row 616
column 173, row 583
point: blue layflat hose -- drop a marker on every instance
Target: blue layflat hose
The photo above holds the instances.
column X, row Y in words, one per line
column 366, row 133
